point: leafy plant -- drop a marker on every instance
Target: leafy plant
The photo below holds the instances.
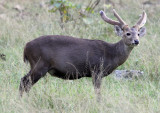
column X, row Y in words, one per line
column 91, row 6
column 63, row 6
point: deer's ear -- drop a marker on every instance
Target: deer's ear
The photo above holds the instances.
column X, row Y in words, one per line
column 142, row 31
column 118, row 30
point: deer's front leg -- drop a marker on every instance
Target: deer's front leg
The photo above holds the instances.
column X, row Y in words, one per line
column 97, row 80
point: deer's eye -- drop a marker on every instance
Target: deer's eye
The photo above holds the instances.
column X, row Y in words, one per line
column 128, row 34
column 138, row 34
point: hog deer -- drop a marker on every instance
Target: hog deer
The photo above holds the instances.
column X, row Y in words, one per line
column 73, row 58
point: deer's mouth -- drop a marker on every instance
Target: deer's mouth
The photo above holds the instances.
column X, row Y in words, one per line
column 133, row 45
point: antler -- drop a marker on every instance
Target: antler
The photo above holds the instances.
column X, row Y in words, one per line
column 118, row 17
column 141, row 22
column 120, row 22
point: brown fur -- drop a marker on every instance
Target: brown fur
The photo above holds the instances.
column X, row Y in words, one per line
column 71, row 58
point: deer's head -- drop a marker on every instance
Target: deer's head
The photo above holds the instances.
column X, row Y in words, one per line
column 130, row 35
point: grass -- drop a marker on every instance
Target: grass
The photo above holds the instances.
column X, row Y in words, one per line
column 51, row 94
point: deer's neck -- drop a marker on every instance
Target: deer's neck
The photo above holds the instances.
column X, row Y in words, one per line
column 119, row 52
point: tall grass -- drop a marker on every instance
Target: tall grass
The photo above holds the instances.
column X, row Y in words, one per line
column 51, row 94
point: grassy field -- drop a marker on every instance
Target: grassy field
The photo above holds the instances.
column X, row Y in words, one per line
column 51, row 94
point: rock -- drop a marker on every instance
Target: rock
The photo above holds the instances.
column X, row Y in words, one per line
column 18, row 8
column 128, row 74
column 2, row 7
column 42, row 4
column 4, row 17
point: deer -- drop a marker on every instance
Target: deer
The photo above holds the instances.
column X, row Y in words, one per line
column 72, row 58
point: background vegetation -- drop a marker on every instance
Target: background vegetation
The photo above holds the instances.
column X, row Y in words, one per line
column 24, row 20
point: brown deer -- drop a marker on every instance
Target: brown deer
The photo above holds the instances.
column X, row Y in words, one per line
column 73, row 58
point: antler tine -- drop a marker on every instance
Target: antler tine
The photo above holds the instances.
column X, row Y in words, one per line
column 141, row 22
column 108, row 20
column 118, row 17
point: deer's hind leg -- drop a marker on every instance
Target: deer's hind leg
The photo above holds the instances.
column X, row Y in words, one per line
column 37, row 71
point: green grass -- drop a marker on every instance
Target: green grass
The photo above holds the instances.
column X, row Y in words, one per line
column 51, row 94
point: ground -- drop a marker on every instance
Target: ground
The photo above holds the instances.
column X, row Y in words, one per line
column 51, row 94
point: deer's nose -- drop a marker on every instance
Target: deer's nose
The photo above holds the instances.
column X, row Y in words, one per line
column 136, row 42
